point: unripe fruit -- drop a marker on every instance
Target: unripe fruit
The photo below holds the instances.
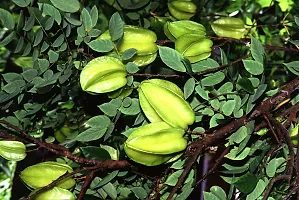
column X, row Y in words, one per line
column 229, row 27
column 56, row 193
column 155, row 143
column 294, row 135
column 12, row 150
column 103, row 74
column 141, row 39
column 182, row 9
column 173, row 30
column 62, row 133
column 194, row 47
column 44, row 173
column 162, row 100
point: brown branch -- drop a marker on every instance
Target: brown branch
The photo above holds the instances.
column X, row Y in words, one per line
column 157, row 75
column 62, row 151
column 86, row 184
column 199, row 146
column 274, row 180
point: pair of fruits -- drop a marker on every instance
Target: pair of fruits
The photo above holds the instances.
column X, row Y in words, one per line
column 42, row 174
column 190, row 39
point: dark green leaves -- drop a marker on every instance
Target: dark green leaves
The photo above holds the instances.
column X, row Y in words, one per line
column 293, row 67
column 98, row 127
column 257, row 50
column 116, row 27
column 70, row 6
column 6, row 19
column 128, row 4
column 253, row 67
column 22, row 3
column 101, row 45
column 172, row 58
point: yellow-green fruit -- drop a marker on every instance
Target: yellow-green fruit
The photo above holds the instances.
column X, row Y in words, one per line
column 44, row 173
column 56, row 193
column 62, row 133
column 173, row 30
column 12, row 150
column 155, row 143
column 141, row 39
column 194, row 47
column 182, row 9
column 162, row 100
column 229, row 27
column 103, row 74
column 294, row 135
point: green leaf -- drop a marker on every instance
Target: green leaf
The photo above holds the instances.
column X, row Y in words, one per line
column 101, row 45
column 246, row 183
column 94, row 33
column 39, row 37
column 189, row 87
column 7, row 19
column 173, row 178
column 228, row 107
column 204, row 65
column 70, row 6
column 73, row 21
column 253, row 67
column 91, row 134
column 111, row 108
column 20, row 45
column 172, row 58
column 51, row 11
column 213, row 79
column 128, row 4
column 202, row 93
column 58, row 42
column 8, row 39
column 133, row 109
column 293, row 67
column 259, row 92
column 116, row 27
column 98, row 121
column 128, row 54
column 238, row 136
column 132, row 67
column 257, row 50
column 94, row 14
column 139, row 192
column 271, row 168
column 218, row 192
column 53, row 56
column 110, row 189
column 296, row 20
column 30, row 74
column 95, row 153
column 22, row 3
column 214, row 120
column 260, row 187
column 246, row 84
column 86, row 19
column 29, row 23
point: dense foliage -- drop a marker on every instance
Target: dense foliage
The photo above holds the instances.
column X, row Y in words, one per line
column 123, row 99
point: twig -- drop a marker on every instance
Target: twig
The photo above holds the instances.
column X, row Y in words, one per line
column 86, row 184
column 274, row 180
column 217, row 163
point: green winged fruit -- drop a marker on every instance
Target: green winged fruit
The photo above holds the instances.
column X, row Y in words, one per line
column 42, row 174
column 229, row 27
column 162, row 100
column 175, row 29
column 12, row 150
column 194, row 47
column 155, row 144
column 103, row 74
column 294, row 135
column 182, row 9
column 141, row 39
column 56, row 193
